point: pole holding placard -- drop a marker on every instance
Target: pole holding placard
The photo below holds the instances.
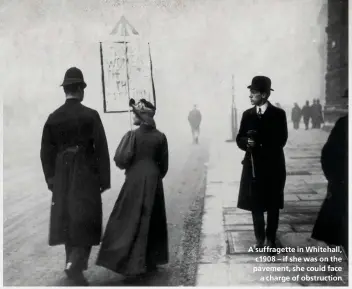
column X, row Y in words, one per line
column 233, row 126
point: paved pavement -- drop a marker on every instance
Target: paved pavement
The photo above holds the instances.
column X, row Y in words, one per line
column 227, row 232
column 29, row 261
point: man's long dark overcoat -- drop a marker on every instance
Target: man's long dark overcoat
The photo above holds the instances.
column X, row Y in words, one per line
column 332, row 222
column 76, row 165
column 267, row 192
column 306, row 113
column 136, row 233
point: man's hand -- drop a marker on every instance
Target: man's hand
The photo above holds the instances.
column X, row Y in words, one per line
column 250, row 143
column 102, row 190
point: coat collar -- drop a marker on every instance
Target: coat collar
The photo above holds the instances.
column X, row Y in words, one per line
column 147, row 127
column 72, row 100
column 268, row 109
column 262, row 107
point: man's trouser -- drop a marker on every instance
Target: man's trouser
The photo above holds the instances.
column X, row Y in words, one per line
column 195, row 133
column 306, row 122
column 77, row 258
column 271, row 228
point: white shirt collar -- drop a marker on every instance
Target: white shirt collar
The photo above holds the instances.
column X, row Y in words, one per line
column 262, row 107
column 69, row 96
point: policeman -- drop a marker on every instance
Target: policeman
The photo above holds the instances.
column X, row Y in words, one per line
column 76, row 165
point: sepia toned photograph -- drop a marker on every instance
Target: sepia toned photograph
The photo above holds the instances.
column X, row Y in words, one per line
column 175, row 143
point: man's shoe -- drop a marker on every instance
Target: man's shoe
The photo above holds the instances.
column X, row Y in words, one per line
column 77, row 277
column 272, row 245
column 80, row 280
column 258, row 245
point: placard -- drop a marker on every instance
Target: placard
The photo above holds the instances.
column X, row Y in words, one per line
column 125, row 74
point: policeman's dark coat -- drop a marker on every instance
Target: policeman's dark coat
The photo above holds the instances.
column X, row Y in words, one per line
column 136, row 234
column 332, row 223
column 269, row 160
column 75, row 160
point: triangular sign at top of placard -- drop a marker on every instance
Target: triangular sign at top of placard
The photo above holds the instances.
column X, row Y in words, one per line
column 124, row 28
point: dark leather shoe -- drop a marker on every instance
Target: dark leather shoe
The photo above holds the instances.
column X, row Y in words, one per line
column 259, row 245
column 81, row 280
column 77, row 278
column 272, row 245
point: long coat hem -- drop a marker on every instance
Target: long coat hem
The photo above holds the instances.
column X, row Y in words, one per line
column 53, row 244
column 127, row 273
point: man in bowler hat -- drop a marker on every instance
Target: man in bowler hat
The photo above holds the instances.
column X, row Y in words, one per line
column 76, row 165
column 263, row 135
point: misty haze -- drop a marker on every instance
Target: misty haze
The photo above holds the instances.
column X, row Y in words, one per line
column 204, row 53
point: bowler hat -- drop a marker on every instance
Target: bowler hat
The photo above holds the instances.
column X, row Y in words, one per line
column 73, row 75
column 261, row 83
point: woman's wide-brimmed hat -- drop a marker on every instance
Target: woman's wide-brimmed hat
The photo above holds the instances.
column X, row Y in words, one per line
column 144, row 110
column 72, row 76
column 261, row 83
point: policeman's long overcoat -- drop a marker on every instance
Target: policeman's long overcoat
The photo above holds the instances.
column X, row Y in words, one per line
column 332, row 222
column 76, row 165
column 136, row 233
column 269, row 160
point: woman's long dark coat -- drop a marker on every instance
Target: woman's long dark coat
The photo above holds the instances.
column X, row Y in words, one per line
column 136, row 233
column 332, row 222
column 267, row 192
column 76, row 165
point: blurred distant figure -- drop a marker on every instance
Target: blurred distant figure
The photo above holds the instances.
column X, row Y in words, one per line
column 314, row 113
column 194, row 119
column 76, row 165
column 296, row 116
column 332, row 223
column 306, row 113
column 319, row 113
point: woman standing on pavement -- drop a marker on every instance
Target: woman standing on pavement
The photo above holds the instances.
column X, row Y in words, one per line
column 136, row 238
column 331, row 225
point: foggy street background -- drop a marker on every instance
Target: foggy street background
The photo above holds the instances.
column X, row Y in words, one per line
column 196, row 46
